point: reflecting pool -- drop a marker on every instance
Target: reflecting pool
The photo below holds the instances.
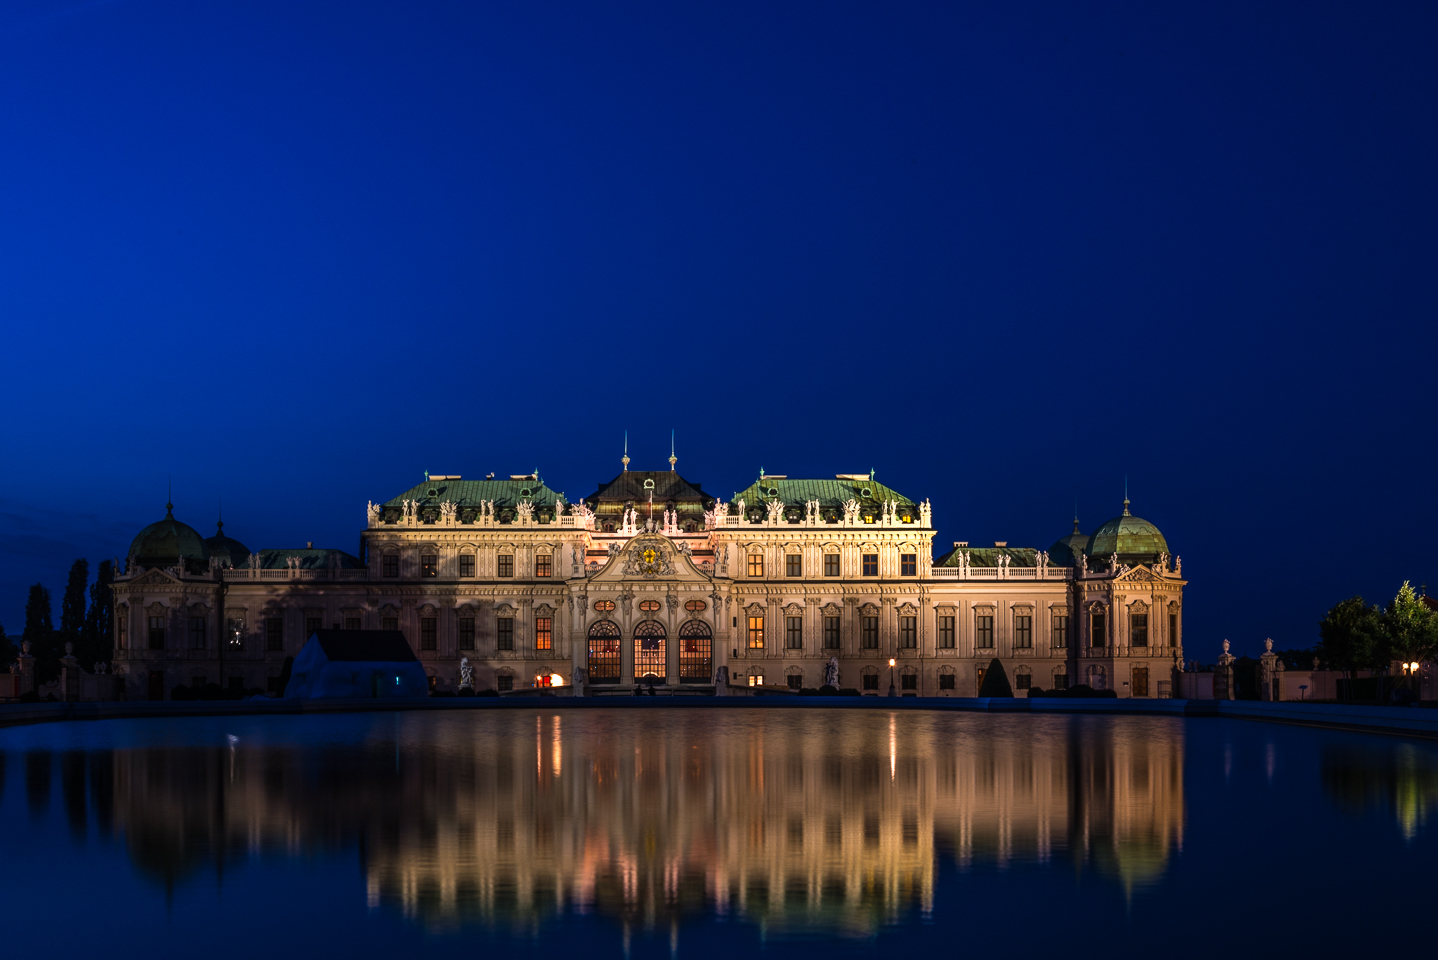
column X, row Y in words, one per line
column 701, row 832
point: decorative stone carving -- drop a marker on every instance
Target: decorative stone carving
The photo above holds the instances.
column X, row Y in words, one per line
column 831, row 672
column 851, row 512
column 525, row 509
column 776, row 510
column 375, row 514
column 466, row 674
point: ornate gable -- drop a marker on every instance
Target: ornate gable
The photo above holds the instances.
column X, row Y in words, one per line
column 1139, row 574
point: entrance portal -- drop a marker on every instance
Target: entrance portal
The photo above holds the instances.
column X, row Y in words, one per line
column 649, row 663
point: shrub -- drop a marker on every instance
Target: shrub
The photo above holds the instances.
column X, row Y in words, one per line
column 996, row 681
column 1036, row 692
column 828, row 690
column 489, row 692
column 848, row 692
column 183, row 692
column 466, row 692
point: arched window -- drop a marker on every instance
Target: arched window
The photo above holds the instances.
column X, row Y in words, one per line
column 609, row 528
column 649, row 660
column 604, row 651
column 694, row 606
column 649, row 606
column 695, row 650
column 649, row 651
column 604, row 606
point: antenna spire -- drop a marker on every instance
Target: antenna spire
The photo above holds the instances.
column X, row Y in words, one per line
column 672, row 458
column 625, row 459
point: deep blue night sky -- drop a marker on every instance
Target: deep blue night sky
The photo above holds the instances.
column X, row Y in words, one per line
column 294, row 254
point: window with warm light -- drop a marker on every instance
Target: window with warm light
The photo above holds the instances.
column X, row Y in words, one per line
column 543, row 639
column 541, row 564
column 756, row 565
column 428, row 565
column 756, row 633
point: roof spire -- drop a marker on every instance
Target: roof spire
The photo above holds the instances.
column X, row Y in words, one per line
column 169, row 496
column 220, row 517
column 672, row 458
column 1125, row 496
column 1076, row 520
column 625, row 459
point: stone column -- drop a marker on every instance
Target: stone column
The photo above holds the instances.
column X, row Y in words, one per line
column 69, row 675
column 25, row 665
column 1270, row 669
column 1223, row 675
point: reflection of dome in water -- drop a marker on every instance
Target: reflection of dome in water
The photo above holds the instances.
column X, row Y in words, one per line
column 166, row 542
column 1132, row 538
column 229, row 551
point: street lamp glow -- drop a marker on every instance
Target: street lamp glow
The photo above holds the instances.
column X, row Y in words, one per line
column 891, row 661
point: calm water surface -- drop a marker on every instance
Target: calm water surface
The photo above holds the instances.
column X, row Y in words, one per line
column 695, row 832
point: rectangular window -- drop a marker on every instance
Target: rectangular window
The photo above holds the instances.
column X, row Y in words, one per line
column 543, row 637
column 756, row 565
column 504, row 633
column 831, row 633
column 1061, row 681
column 466, row 564
column 157, row 633
column 1138, row 629
column 506, row 565
column 389, row 623
column 352, row 623
column 428, row 635
column 871, row 681
column 908, row 681
column 197, row 633
column 1023, row 633
column 796, row 681
column 541, row 564
column 428, row 565
column 869, row 633
column 794, row 632
column 831, row 564
column 946, row 681
column 1100, row 630
column 909, row 564
column 984, row 632
column 274, row 633
column 311, row 625
column 466, row 633
column 871, row 564
column 391, row 565
column 908, row 632
column 505, row 682
column 1023, row 681
column 793, row 565
column 1173, row 629
column 1061, row 631
column 756, row 633
column 946, row 633
column 236, row 635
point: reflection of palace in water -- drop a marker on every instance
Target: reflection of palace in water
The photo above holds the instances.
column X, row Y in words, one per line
column 789, row 820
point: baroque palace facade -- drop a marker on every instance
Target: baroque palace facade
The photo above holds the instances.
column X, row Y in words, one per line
column 650, row 580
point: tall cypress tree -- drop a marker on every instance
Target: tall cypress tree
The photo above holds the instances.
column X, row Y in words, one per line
column 8, row 651
column 99, row 621
column 40, row 634
column 72, row 605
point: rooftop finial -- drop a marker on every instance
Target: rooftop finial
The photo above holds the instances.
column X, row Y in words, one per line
column 169, row 496
column 625, row 459
column 220, row 517
column 1125, row 496
column 672, row 458
column 1076, row 520
column 871, row 474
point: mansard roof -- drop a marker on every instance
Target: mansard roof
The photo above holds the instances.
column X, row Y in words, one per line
column 470, row 492
column 829, row 493
column 310, row 559
column 668, row 485
column 989, row 556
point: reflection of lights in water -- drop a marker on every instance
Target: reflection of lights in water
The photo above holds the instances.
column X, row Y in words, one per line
column 781, row 819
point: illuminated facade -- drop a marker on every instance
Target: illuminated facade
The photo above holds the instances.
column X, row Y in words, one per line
column 650, row 580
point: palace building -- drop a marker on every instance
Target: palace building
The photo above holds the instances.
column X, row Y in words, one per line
column 650, row 580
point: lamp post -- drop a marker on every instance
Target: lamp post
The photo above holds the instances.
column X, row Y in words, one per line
column 891, row 678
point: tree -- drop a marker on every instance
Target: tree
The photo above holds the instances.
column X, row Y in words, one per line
column 8, row 651
column 996, row 681
column 40, row 634
column 1408, row 630
column 72, row 604
column 99, row 620
column 1349, row 636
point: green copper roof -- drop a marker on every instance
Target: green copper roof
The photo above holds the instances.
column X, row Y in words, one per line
column 310, row 559
column 468, row 493
column 1132, row 538
column 989, row 556
column 164, row 542
column 829, row 493
column 1065, row 550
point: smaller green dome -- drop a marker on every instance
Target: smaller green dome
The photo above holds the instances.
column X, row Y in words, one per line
column 227, row 550
column 1134, row 539
column 167, row 542
column 1065, row 550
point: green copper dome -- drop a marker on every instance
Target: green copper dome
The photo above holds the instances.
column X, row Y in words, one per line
column 1132, row 538
column 1066, row 549
column 167, row 542
column 229, row 551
